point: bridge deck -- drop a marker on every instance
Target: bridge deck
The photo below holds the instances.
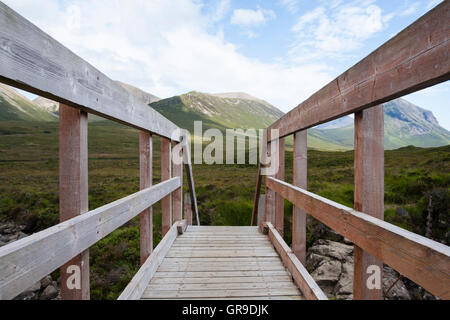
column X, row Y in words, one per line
column 209, row 262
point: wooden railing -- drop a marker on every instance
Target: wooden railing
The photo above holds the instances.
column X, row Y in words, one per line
column 416, row 58
column 33, row 61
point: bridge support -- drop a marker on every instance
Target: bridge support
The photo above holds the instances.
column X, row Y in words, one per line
column 73, row 191
column 300, row 174
column 279, row 201
column 146, row 216
column 166, row 173
column 369, row 196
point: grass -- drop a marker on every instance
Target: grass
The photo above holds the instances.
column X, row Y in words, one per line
column 29, row 189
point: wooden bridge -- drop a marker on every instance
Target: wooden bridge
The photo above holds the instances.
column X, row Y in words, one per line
column 206, row 262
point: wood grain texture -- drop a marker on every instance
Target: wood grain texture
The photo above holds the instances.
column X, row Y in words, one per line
column 32, row 60
column 300, row 175
column 137, row 285
column 279, row 201
column 73, row 191
column 416, row 58
column 256, row 199
column 177, row 195
column 28, row 260
column 369, row 191
column 145, row 174
column 188, row 209
column 261, row 214
column 421, row 260
column 269, row 207
column 190, row 176
column 302, row 278
column 166, row 173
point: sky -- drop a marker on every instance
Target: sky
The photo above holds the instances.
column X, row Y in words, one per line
column 281, row 51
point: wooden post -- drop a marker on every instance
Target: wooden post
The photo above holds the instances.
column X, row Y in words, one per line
column 188, row 209
column 261, row 162
column 300, row 174
column 369, row 196
column 178, row 194
column 279, row 201
column 73, row 194
column 166, row 202
column 269, row 210
column 260, row 219
column 145, row 217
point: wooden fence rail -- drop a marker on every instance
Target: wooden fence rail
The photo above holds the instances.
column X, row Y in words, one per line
column 28, row 260
column 420, row 259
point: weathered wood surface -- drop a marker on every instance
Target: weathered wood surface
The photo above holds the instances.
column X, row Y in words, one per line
column 279, row 201
column 73, row 194
column 32, row 60
column 256, row 199
column 177, row 195
column 188, row 209
column 269, row 207
column 421, row 260
column 181, row 227
column 300, row 174
column 137, row 285
column 145, row 181
column 369, row 193
column 261, row 208
column 416, row 58
column 190, row 177
column 28, row 260
column 221, row 270
column 166, row 174
column 302, row 278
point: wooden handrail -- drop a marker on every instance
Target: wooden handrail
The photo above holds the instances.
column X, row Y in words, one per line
column 32, row 60
column 26, row 261
column 416, row 58
column 420, row 259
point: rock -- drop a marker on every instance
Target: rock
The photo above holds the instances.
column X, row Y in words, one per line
column 31, row 293
column 36, row 286
column 327, row 275
column 2, row 243
column 332, row 249
column 344, row 287
column 46, row 281
column 21, row 235
column 49, row 293
column 398, row 291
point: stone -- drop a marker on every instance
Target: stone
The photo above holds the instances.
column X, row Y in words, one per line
column 332, row 249
column 327, row 275
column 399, row 290
column 21, row 235
column 49, row 293
column 344, row 287
column 46, row 281
column 35, row 287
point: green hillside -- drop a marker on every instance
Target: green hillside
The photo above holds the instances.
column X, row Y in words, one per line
column 14, row 106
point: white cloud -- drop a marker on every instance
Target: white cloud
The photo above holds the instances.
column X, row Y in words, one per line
column 432, row 3
column 222, row 8
column 164, row 47
column 249, row 17
column 410, row 9
column 290, row 5
column 335, row 32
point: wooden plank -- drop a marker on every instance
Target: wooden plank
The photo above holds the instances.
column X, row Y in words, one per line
column 189, row 176
column 269, row 208
column 256, row 199
column 188, row 209
column 177, row 195
column 220, row 286
column 137, row 285
column 222, row 228
column 219, row 293
column 181, row 226
column 421, row 260
column 261, row 213
column 73, row 194
column 369, row 193
column 416, row 58
column 279, row 201
column 300, row 174
column 145, row 181
column 219, row 274
column 241, row 298
column 224, row 253
column 215, row 259
column 302, row 278
column 268, row 279
column 221, row 267
column 166, row 173
column 26, row 261
column 31, row 60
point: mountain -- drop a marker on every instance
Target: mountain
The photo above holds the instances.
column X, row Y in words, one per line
column 404, row 124
column 47, row 105
column 14, row 106
column 145, row 97
column 224, row 110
